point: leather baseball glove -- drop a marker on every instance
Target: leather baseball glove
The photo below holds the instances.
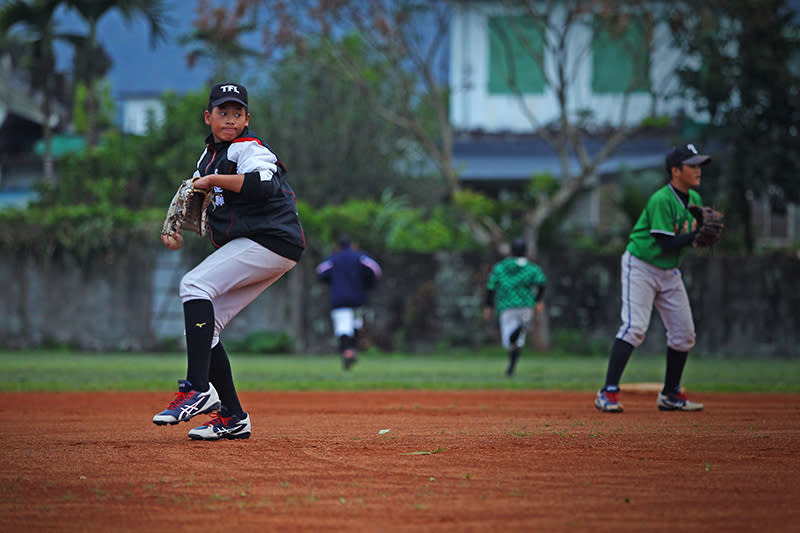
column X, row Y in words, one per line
column 709, row 225
column 187, row 210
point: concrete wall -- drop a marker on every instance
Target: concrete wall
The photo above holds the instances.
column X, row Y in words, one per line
column 742, row 306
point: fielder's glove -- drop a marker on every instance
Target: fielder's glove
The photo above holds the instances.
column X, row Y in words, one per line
column 187, row 210
column 709, row 225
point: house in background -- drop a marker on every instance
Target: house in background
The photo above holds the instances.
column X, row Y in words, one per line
column 139, row 111
column 500, row 64
column 20, row 127
column 22, row 134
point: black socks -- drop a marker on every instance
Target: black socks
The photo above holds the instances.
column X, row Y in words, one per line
column 221, row 376
column 620, row 353
column 346, row 342
column 198, row 316
column 675, row 362
column 513, row 356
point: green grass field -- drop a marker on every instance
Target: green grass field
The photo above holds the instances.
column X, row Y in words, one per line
column 68, row 371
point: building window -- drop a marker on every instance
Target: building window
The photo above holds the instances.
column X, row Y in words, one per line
column 620, row 58
column 515, row 56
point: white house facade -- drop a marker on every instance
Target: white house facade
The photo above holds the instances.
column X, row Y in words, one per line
column 595, row 66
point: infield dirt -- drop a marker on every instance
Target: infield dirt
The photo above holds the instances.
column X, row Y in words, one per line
column 402, row 461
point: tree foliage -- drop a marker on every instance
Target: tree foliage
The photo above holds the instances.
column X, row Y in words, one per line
column 747, row 79
column 217, row 36
column 137, row 172
column 37, row 23
column 327, row 133
column 92, row 56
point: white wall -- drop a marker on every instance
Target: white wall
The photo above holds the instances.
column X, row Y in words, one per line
column 472, row 107
column 137, row 114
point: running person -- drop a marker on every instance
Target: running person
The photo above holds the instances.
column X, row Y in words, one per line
column 253, row 225
column 650, row 277
column 350, row 274
column 515, row 288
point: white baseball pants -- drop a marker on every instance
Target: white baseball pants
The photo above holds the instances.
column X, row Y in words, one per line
column 232, row 277
column 346, row 320
column 510, row 320
column 645, row 286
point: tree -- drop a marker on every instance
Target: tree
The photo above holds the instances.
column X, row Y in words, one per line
column 92, row 11
column 410, row 37
column 38, row 20
column 401, row 47
column 748, row 81
column 336, row 147
column 132, row 171
column 217, row 37
column 562, row 55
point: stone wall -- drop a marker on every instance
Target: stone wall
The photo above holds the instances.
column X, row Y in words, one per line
column 742, row 305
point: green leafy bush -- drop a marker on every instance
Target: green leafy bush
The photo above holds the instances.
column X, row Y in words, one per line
column 84, row 231
column 264, row 342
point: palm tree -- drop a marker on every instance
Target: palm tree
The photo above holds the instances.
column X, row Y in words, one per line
column 92, row 11
column 216, row 37
column 37, row 17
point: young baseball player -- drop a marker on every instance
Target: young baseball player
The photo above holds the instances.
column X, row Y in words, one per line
column 254, row 226
column 650, row 277
column 515, row 288
column 350, row 274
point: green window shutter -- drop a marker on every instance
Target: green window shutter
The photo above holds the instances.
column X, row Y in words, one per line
column 620, row 61
column 515, row 56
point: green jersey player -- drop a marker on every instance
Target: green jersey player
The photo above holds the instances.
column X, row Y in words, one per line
column 651, row 277
column 515, row 289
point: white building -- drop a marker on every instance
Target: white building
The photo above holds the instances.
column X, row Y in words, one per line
column 140, row 111
column 506, row 70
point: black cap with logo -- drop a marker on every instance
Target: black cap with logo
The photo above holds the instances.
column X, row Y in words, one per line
column 227, row 92
column 685, row 154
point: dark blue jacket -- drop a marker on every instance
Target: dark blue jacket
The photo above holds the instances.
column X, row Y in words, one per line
column 350, row 274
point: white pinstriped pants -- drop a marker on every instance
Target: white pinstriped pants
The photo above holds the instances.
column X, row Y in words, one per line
column 645, row 286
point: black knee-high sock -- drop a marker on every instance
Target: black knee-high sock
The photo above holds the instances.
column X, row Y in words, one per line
column 198, row 316
column 513, row 356
column 675, row 362
column 620, row 353
column 221, row 376
column 346, row 342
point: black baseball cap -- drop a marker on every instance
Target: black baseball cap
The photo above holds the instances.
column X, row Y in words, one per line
column 518, row 248
column 685, row 154
column 227, row 92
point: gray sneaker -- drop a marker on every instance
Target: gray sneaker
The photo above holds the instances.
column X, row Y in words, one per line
column 677, row 402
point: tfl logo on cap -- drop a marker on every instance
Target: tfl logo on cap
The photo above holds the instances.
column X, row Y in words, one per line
column 229, row 89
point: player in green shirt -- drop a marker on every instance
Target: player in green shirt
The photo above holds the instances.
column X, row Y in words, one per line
column 510, row 290
column 650, row 278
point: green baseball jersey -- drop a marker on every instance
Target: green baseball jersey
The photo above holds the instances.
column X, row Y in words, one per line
column 512, row 281
column 664, row 214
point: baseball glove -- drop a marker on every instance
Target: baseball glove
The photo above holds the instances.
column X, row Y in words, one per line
column 709, row 225
column 187, row 210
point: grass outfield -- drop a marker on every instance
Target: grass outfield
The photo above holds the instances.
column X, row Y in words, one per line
column 68, row 371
